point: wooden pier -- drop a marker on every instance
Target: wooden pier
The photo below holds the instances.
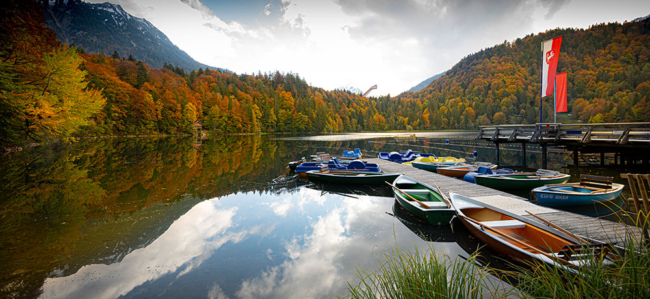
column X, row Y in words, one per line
column 584, row 226
column 629, row 142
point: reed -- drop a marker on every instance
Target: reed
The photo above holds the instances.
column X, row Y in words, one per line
column 405, row 273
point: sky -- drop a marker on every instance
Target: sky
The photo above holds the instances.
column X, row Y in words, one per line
column 395, row 44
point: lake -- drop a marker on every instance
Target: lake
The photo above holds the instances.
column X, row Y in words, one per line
column 219, row 218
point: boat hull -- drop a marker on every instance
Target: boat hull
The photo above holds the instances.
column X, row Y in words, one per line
column 490, row 224
column 454, row 173
column 495, row 245
column 507, row 182
column 352, row 177
column 552, row 198
column 438, row 215
column 433, row 167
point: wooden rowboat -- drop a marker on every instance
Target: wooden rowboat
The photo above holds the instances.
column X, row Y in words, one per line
column 439, row 212
column 517, row 237
column 461, row 169
column 351, row 177
column 573, row 195
column 589, row 190
column 521, row 180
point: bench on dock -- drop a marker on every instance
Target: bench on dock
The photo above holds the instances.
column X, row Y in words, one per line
column 595, row 181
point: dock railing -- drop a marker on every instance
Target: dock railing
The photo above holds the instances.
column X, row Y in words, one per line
column 613, row 133
column 640, row 199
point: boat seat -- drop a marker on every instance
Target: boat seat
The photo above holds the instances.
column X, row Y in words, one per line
column 504, row 224
column 432, row 204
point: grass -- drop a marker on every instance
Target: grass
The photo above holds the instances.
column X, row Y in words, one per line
column 404, row 273
column 627, row 277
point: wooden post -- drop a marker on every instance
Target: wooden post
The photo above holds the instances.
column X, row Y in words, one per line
column 602, row 158
column 523, row 154
column 576, row 162
column 497, row 151
column 544, row 158
column 632, row 180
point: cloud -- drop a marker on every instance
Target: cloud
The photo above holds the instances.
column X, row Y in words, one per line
column 188, row 242
column 394, row 44
column 553, row 6
column 216, row 293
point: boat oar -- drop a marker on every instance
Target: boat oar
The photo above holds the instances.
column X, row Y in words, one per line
column 559, row 228
column 552, row 257
column 443, row 196
column 409, row 196
column 610, row 255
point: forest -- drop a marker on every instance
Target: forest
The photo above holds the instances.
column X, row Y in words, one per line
column 50, row 90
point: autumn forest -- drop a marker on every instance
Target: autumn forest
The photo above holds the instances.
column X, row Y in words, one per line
column 50, row 90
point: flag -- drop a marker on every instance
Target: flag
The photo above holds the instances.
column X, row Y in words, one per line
column 550, row 57
column 560, row 97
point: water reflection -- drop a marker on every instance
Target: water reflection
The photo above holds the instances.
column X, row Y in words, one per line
column 158, row 217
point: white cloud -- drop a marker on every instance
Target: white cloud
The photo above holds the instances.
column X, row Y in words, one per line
column 394, row 44
column 188, row 242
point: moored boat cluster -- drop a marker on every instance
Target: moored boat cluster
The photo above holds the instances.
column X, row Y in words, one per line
column 503, row 231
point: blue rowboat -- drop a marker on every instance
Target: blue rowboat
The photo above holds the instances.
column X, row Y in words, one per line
column 564, row 195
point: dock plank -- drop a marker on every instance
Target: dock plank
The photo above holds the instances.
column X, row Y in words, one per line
column 584, row 226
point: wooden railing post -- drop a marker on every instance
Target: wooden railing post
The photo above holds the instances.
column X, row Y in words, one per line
column 635, row 181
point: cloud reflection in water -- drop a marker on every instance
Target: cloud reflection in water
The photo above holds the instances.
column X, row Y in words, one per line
column 307, row 246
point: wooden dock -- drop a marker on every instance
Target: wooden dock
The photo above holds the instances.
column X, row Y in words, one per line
column 584, row 226
column 629, row 142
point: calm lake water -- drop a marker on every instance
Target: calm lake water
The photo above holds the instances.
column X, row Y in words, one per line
column 224, row 218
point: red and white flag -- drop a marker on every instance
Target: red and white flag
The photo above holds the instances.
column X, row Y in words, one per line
column 550, row 55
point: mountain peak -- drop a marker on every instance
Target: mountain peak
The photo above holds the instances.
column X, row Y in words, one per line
column 106, row 28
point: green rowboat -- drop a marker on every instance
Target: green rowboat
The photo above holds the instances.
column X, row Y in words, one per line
column 439, row 212
column 521, row 180
column 351, row 177
column 433, row 167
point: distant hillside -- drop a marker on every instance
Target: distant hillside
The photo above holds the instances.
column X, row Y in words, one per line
column 105, row 28
column 608, row 68
column 425, row 83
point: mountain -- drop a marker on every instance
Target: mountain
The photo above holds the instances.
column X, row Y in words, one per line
column 426, row 82
column 351, row 89
column 608, row 78
column 105, row 28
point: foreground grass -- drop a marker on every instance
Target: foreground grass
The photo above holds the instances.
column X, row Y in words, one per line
column 404, row 273
column 627, row 277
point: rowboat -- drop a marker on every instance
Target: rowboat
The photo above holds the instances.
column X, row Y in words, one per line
column 431, row 207
column 351, row 177
column 470, row 177
column 521, row 180
column 525, row 241
column 432, row 164
column 294, row 164
column 589, row 190
column 334, row 165
column 461, row 169
column 573, row 195
column 438, row 234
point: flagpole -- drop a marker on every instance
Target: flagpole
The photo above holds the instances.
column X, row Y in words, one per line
column 541, row 83
column 555, row 100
